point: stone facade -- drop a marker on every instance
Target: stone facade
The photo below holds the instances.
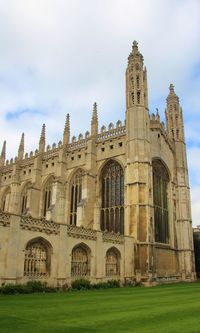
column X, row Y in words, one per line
column 112, row 204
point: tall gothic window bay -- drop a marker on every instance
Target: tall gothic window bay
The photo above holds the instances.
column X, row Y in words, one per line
column 160, row 195
column 76, row 196
column 112, row 207
column 48, row 196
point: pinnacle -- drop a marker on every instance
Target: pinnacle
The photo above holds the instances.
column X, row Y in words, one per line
column 66, row 134
column 135, row 43
column 171, row 88
column 94, row 113
column 3, row 152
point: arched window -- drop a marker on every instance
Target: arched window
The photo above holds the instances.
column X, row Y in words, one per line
column 132, row 98
column 112, row 262
column 138, row 81
column 80, row 262
column 138, row 97
column 47, row 196
column 76, row 196
column 112, row 208
column 36, row 263
column 160, row 196
column 5, row 200
column 24, row 199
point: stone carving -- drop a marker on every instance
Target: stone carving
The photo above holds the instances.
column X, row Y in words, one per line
column 111, row 237
column 111, row 133
column 41, row 225
column 80, row 232
column 4, row 219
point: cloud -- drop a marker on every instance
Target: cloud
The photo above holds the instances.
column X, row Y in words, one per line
column 60, row 56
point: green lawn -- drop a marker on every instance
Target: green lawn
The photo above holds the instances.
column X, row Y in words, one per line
column 162, row 309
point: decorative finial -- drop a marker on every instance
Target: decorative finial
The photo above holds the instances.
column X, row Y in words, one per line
column 21, row 148
column 171, row 88
column 3, row 154
column 135, row 43
column 157, row 115
column 42, row 141
column 66, row 134
column 94, row 122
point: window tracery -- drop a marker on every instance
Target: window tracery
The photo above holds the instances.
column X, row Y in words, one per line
column 112, row 263
column 48, row 196
column 76, row 196
column 112, row 209
column 5, row 200
column 80, row 262
column 160, row 193
column 36, row 260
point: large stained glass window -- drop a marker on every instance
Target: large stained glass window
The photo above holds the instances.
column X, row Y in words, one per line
column 112, row 208
column 76, row 196
column 160, row 196
column 47, row 196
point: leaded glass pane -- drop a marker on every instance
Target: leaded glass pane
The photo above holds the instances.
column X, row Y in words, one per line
column 112, row 197
column 160, row 192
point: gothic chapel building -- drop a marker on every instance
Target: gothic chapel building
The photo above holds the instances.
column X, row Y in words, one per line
column 111, row 204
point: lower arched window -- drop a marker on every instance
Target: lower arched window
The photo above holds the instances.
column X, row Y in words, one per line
column 112, row 262
column 36, row 263
column 160, row 198
column 80, row 262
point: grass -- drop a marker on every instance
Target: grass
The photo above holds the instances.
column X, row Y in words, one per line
column 161, row 309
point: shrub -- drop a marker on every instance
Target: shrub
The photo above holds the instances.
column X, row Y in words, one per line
column 81, row 284
column 28, row 288
column 106, row 285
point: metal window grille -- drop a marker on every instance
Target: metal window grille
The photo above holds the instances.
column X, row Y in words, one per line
column 80, row 262
column 112, row 263
column 35, row 263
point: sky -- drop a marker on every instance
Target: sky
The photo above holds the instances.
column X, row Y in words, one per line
column 61, row 56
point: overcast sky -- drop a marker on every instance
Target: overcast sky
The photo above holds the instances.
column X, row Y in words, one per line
column 59, row 56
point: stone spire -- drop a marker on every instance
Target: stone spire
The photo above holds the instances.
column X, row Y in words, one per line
column 66, row 134
column 94, row 122
column 3, row 154
column 21, row 148
column 174, row 118
column 157, row 115
column 42, row 141
column 136, row 80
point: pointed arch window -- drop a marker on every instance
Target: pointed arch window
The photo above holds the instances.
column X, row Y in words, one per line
column 37, row 260
column 112, row 208
column 160, row 196
column 24, row 199
column 138, row 81
column 76, row 196
column 112, row 263
column 6, row 200
column 47, row 196
column 138, row 97
column 80, row 262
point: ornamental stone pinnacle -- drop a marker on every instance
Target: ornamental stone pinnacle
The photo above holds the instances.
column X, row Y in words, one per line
column 21, row 148
column 3, row 154
column 42, row 141
column 66, row 134
column 94, row 122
